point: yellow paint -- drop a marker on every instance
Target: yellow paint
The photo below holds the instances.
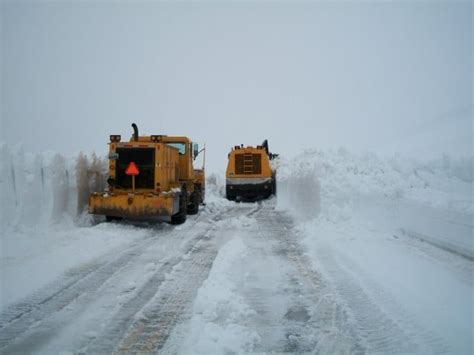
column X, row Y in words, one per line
column 231, row 172
column 172, row 171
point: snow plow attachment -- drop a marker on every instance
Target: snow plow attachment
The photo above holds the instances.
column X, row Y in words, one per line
column 249, row 174
column 134, row 206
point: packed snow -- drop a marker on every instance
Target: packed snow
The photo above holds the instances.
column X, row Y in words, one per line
column 218, row 325
column 357, row 253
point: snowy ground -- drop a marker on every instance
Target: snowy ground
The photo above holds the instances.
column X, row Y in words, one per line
column 395, row 241
column 357, row 255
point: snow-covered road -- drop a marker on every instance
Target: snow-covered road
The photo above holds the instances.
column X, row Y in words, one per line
column 246, row 278
column 263, row 296
column 103, row 303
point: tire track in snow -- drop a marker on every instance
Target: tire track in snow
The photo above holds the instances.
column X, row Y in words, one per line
column 380, row 332
column 313, row 321
column 28, row 316
column 344, row 316
column 461, row 267
column 439, row 243
column 170, row 303
column 144, row 323
column 19, row 318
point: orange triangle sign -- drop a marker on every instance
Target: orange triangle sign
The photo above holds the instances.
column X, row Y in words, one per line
column 132, row 169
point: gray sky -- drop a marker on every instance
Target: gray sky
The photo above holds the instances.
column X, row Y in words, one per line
column 383, row 77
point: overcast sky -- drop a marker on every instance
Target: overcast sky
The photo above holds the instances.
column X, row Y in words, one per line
column 382, row 77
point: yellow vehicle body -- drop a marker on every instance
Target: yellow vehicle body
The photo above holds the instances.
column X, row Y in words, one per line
column 165, row 188
column 249, row 174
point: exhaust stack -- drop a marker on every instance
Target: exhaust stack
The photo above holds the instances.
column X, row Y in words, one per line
column 135, row 132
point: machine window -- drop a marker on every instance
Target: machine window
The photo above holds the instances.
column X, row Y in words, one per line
column 180, row 146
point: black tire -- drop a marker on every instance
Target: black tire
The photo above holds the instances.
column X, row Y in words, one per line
column 229, row 194
column 199, row 189
column 180, row 217
column 112, row 218
column 193, row 207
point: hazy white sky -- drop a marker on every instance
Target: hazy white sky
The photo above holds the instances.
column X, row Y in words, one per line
column 384, row 77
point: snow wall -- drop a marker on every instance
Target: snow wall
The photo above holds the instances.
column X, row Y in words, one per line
column 46, row 188
column 330, row 184
column 300, row 190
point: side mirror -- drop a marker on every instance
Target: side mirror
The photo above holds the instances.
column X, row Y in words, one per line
column 195, row 150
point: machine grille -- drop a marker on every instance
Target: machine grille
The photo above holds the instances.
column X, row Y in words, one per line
column 248, row 164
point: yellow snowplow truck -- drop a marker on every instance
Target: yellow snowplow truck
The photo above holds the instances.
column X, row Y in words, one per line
column 151, row 178
column 249, row 174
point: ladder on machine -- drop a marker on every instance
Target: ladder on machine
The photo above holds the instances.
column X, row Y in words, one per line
column 248, row 164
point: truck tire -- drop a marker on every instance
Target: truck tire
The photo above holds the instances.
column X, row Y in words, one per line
column 180, row 217
column 193, row 207
column 198, row 189
column 229, row 194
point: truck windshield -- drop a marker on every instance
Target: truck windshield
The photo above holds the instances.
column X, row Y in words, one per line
column 180, row 146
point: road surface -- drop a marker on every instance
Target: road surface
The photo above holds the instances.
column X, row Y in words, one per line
column 146, row 298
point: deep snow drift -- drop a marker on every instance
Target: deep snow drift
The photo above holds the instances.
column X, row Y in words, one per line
column 432, row 201
column 399, row 231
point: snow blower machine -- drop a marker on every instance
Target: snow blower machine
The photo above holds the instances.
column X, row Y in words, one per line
column 151, row 178
column 249, row 174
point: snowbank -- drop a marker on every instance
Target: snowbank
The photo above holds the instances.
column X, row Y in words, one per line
column 393, row 236
column 41, row 189
column 431, row 200
column 320, row 181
